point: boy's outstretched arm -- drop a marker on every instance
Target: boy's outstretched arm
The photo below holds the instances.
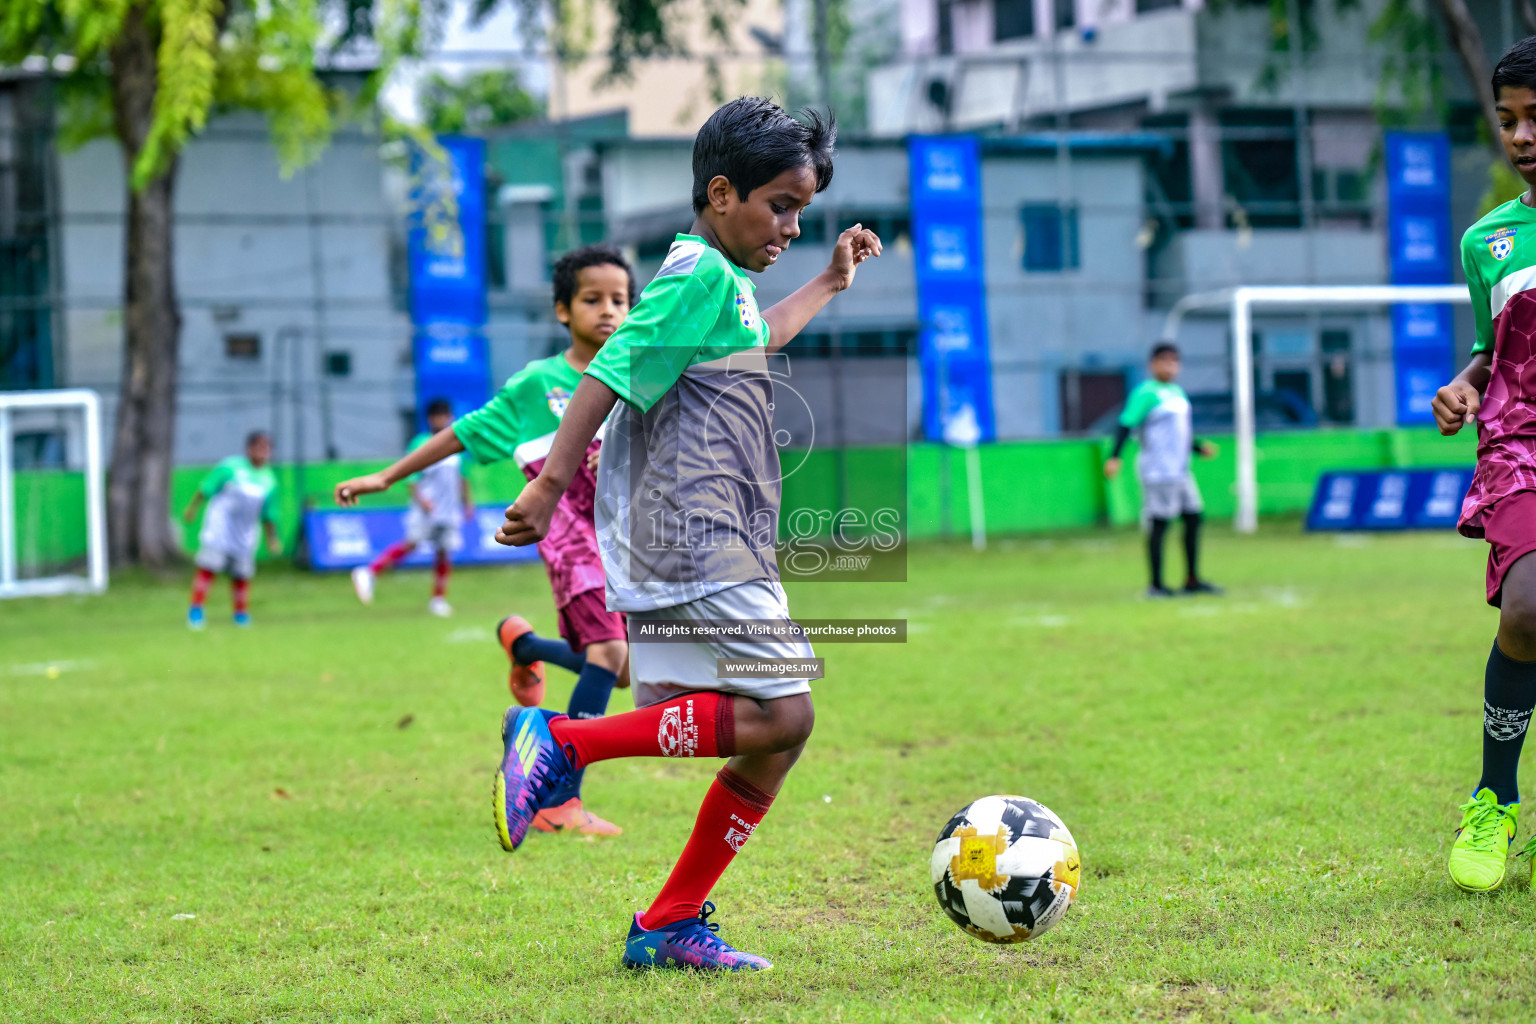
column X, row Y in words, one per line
column 443, row 444
column 788, row 317
column 528, row 517
column 1457, row 403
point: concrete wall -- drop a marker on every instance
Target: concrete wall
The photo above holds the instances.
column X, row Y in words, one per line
column 248, row 259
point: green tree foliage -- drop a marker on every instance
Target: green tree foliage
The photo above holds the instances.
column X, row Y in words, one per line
column 481, row 101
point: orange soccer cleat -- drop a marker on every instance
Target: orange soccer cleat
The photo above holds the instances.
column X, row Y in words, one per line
column 572, row 817
column 526, row 681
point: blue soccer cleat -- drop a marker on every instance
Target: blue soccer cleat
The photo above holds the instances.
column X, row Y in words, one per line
column 242, row 618
column 688, row 945
column 195, row 619
column 532, row 768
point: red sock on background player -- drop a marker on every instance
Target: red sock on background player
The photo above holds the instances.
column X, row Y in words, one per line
column 441, row 570
column 201, row 581
column 240, row 592
column 391, row 555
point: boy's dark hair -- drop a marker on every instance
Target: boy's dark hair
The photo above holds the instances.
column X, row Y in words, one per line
column 752, row 141
column 439, row 407
column 567, row 267
column 1164, row 348
column 256, row 435
column 1517, row 67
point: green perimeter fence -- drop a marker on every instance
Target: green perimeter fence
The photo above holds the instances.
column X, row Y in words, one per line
column 1027, row 486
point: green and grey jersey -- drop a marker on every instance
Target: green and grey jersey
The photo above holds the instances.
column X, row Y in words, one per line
column 1160, row 412
column 240, row 498
column 688, row 489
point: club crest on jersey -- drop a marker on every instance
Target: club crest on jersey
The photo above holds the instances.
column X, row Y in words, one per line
column 747, row 309
column 1501, row 243
column 558, row 399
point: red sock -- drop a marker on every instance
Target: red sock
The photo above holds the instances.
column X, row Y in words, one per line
column 732, row 809
column 693, row 725
column 240, row 590
column 201, row 581
column 440, row 573
column 390, row 555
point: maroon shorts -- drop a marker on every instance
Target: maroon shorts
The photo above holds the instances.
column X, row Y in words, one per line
column 587, row 620
column 1509, row 526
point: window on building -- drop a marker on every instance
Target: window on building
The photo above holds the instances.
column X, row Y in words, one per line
column 338, row 364
column 1258, row 156
column 946, row 38
column 242, row 345
column 1066, row 13
column 854, row 344
column 1050, row 237
column 1088, row 395
column 1013, row 19
column 1143, row 6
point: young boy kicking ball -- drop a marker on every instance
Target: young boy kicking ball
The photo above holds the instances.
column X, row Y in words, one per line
column 440, row 500
column 688, row 502
column 1498, row 390
column 593, row 290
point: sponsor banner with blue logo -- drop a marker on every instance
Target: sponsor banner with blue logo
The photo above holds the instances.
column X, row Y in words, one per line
column 1397, row 499
column 447, row 269
column 954, row 352
column 345, row 538
column 1421, row 250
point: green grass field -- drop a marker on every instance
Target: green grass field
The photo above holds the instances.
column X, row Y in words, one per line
column 1263, row 788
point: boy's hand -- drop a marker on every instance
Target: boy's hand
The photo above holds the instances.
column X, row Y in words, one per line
column 592, row 457
column 347, row 491
column 1455, row 406
column 1208, row 449
column 528, row 517
column 189, row 515
column 427, row 505
column 1111, row 468
column 274, row 547
column 853, row 247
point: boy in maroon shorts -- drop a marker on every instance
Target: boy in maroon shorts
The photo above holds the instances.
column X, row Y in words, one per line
column 1498, row 390
column 594, row 288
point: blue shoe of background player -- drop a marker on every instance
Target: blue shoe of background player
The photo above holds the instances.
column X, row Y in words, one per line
column 242, row 618
column 532, row 768
column 690, row 945
column 195, row 618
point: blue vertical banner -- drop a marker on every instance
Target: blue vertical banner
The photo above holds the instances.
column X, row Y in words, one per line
column 1421, row 250
column 447, row 271
column 951, row 290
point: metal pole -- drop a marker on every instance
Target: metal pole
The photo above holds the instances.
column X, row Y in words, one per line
column 1247, row 519
column 973, row 491
column 95, row 496
column 7, row 503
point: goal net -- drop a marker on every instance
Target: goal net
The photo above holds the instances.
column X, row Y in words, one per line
column 1240, row 304
column 53, row 535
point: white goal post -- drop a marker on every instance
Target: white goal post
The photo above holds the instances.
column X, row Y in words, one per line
column 16, row 406
column 1241, row 302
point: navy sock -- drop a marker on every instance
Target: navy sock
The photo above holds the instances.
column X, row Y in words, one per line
column 1191, row 547
column 1155, row 534
column 589, row 700
column 531, row 647
column 1509, row 694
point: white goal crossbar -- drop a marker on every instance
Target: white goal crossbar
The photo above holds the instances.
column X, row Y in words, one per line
column 1241, row 302
column 95, row 580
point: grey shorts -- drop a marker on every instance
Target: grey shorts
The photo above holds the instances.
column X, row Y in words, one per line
column 1170, row 500
column 239, row 567
column 658, row 671
column 440, row 534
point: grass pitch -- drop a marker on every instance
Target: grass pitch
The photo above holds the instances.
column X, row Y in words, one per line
column 1263, row 787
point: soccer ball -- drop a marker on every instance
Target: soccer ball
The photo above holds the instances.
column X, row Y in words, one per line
column 1005, row 869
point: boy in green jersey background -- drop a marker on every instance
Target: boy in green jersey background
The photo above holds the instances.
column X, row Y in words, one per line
column 689, row 494
column 1159, row 410
column 241, row 493
column 593, row 289
column 1497, row 389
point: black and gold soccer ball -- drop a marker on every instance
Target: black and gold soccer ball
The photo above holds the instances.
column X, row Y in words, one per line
column 1005, row 869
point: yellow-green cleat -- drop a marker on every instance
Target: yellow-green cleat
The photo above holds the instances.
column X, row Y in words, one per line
column 1481, row 850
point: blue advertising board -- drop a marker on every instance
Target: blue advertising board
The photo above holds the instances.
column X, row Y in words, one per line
column 345, row 538
column 953, row 352
column 1398, row 499
column 1421, row 250
column 447, row 271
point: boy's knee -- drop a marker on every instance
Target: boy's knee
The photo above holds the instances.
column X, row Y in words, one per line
column 608, row 654
column 793, row 719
